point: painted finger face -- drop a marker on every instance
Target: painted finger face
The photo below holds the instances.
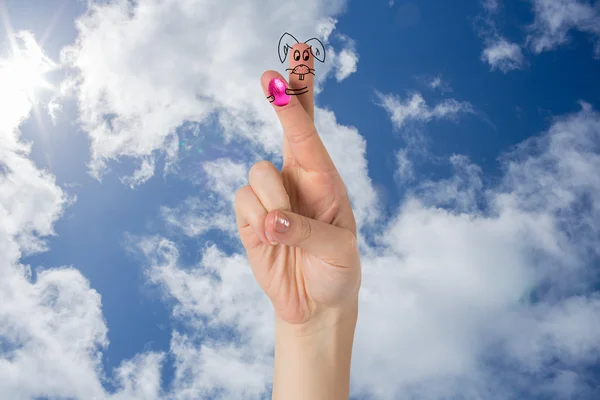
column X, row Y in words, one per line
column 302, row 62
column 302, row 55
column 301, row 65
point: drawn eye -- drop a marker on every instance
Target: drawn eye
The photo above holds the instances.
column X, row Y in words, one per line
column 305, row 55
column 297, row 55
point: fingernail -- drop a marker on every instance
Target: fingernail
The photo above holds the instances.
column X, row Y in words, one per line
column 277, row 89
column 281, row 224
column 269, row 238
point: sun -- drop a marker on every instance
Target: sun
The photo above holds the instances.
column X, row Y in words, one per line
column 23, row 71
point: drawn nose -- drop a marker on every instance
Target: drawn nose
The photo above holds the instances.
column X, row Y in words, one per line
column 301, row 69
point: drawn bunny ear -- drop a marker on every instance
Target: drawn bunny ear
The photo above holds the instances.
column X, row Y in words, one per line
column 285, row 43
column 317, row 49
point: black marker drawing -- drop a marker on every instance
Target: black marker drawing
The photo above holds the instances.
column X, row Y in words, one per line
column 301, row 61
column 290, row 92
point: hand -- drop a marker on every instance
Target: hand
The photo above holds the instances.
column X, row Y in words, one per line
column 297, row 225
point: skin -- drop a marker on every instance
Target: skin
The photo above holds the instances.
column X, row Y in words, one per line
column 307, row 99
column 311, row 273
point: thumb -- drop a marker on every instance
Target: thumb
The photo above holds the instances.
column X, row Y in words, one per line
column 330, row 243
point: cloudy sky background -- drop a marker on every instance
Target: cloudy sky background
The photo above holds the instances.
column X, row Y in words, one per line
column 468, row 134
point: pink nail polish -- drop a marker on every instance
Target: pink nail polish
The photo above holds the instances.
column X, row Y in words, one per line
column 277, row 89
column 281, row 223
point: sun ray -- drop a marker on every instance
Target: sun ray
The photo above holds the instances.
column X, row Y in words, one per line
column 8, row 25
column 57, row 14
column 23, row 67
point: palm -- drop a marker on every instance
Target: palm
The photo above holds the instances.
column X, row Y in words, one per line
column 297, row 282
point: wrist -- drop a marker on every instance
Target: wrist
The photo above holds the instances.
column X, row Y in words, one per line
column 312, row 360
column 331, row 320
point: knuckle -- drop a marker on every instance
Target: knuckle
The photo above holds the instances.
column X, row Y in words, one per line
column 256, row 218
column 350, row 241
column 261, row 168
column 247, row 209
column 305, row 229
column 300, row 136
column 241, row 192
column 240, row 195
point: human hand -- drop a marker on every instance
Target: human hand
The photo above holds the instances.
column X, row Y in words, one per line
column 297, row 225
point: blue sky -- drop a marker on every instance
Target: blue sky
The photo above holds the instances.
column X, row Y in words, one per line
column 468, row 136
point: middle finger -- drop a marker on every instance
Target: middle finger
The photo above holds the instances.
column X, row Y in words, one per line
column 266, row 181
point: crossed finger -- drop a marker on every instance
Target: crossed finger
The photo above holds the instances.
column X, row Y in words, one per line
column 303, row 141
column 265, row 193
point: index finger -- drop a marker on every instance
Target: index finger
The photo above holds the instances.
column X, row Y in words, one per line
column 302, row 136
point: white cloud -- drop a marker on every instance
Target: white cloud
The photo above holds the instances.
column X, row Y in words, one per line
column 499, row 52
column 503, row 55
column 456, row 279
column 339, row 63
column 459, row 193
column 445, row 291
column 405, row 171
column 51, row 327
column 347, row 61
column 202, row 370
column 350, row 160
column 491, row 5
column 225, row 176
column 438, row 83
column 139, row 378
column 134, row 95
column 144, row 172
column 326, row 27
column 218, row 294
column 54, row 327
column 214, row 210
column 554, row 19
column 196, row 216
column 452, row 301
column 416, row 109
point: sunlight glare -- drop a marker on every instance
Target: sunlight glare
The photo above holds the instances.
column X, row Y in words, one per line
column 22, row 74
column 24, row 70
